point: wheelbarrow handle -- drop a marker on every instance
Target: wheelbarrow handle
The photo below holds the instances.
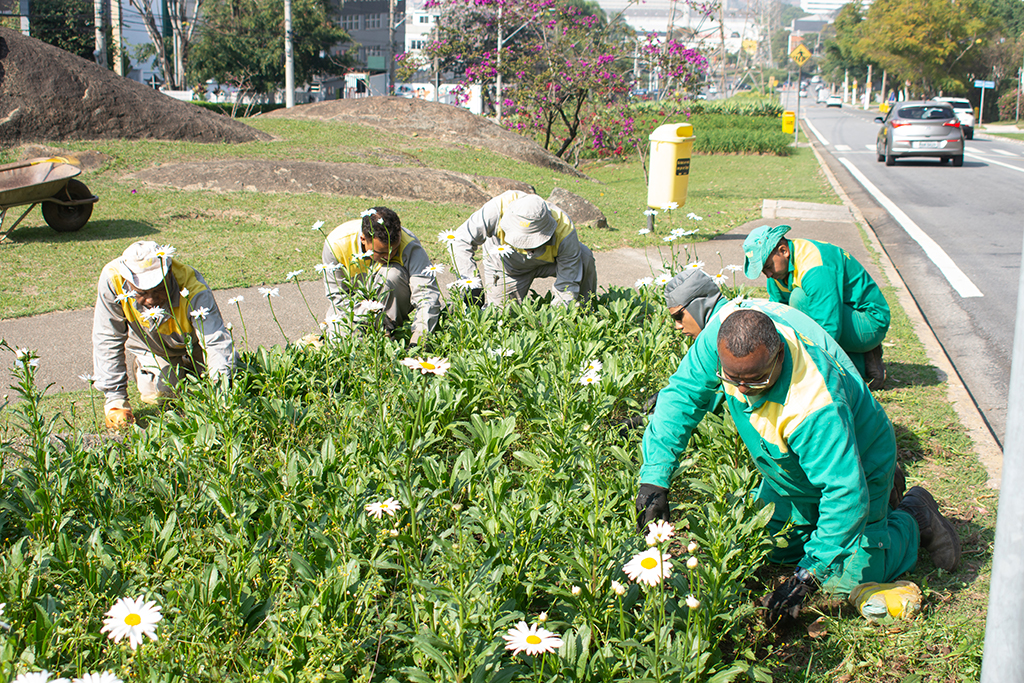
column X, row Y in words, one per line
column 33, row 162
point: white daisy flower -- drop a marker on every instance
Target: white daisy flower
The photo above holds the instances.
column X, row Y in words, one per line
column 32, row 363
column 649, row 567
column 446, row 236
column 133, row 618
column 659, row 532
column 734, row 268
column 669, row 238
column 387, row 507
column 692, row 602
column 651, row 212
column 361, row 256
column 368, row 212
column 236, row 300
column 369, row 305
column 643, row 231
column 643, row 282
column 153, row 314
column 720, row 279
column 165, row 251
column 662, row 279
column 121, row 298
column 292, row 275
column 589, row 378
column 670, row 207
column 533, row 640
column 319, row 268
column 433, row 366
column 85, row 378
column 618, row 588
column 591, row 366
column 21, row 353
column 105, row 677
column 694, row 217
column 269, row 292
column 691, row 562
column 679, row 232
column 317, row 226
column 434, row 269
column 184, row 291
column 466, row 283
column 200, row 313
column 503, row 249
column 499, row 352
column 696, row 265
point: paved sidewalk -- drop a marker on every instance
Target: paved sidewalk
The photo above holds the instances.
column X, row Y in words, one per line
column 64, row 339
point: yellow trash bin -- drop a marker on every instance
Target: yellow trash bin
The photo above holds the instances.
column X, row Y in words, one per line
column 671, row 147
column 788, row 122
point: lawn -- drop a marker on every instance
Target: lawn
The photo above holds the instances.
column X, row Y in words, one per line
column 249, row 513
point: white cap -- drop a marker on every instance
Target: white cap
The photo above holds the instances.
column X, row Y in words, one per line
column 528, row 223
column 144, row 265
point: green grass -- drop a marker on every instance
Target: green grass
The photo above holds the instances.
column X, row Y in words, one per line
column 249, row 238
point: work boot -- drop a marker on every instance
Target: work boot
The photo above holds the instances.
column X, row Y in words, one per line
column 938, row 536
column 874, row 368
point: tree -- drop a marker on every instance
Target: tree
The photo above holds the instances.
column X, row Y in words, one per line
column 243, row 42
column 183, row 18
column 67, row 24
column 843, row 53
column 929, row 43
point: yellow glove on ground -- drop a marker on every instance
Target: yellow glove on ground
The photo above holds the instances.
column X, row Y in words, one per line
column 878, row 600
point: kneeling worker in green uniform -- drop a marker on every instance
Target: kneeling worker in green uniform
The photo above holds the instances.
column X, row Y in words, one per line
column 830, row 286
column 824, row 447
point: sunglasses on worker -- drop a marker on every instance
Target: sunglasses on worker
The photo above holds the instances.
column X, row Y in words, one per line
column 757, row 384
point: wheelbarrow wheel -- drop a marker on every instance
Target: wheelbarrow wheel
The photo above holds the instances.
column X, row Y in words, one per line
column 68, row 218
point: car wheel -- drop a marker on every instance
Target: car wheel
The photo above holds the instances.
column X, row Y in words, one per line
column 881, row 157
column 958, row 160
column 890, row 160
column 969, row 133
column 944, row 160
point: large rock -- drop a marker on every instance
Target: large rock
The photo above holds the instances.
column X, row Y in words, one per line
column 359, row 180
column 579, row 209
column 413, row 118
column 49, row 94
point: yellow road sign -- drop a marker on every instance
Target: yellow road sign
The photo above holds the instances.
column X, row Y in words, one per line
column 800, row 55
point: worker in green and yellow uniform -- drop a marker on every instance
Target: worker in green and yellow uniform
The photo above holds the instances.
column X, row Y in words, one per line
column 376, row 255
column 830, row 286
column 524, row 237
column 162, row 313
column 823, row 445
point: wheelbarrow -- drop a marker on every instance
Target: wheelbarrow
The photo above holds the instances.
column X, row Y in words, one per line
column 67, row 203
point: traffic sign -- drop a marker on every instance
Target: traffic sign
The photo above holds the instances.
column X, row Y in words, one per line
column 800, row 55
column 984, row 84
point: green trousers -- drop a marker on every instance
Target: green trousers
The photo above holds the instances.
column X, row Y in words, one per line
column 887, row 548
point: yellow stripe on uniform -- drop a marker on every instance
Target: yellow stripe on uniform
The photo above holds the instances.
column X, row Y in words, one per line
column 805, row 257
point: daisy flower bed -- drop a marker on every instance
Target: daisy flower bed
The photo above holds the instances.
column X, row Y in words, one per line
column 360, row 511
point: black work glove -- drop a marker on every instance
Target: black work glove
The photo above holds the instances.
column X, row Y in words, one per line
column 651, row 504
column 787, row 598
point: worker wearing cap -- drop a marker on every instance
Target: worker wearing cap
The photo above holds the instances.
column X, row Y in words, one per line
column 830, row 286
column 524, row 238
column 379, row 253
column 162, row 312
column 823, row 445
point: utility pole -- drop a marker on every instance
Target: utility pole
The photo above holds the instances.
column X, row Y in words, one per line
column 721, row 35
column 391, row 47
column 115, row 35
column 867, row 90
column 100, row 53
column 289, row 58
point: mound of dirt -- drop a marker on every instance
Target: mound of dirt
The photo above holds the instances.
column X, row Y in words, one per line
column 49, row 94
column 359, row 180
column 415, row 118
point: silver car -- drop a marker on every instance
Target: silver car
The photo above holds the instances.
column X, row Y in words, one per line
column 920, row 129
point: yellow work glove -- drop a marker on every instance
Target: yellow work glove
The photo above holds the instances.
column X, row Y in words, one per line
column 119, row 415
column 878, row 600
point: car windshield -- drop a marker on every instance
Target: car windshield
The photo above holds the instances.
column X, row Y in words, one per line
column 961, row 105
column 925, row 113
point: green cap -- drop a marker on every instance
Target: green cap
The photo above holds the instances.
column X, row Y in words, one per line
column 759, row 244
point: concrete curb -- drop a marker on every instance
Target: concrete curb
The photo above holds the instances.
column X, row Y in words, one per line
column 988, row 451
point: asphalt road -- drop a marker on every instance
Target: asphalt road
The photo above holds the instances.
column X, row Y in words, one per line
column 953, row 233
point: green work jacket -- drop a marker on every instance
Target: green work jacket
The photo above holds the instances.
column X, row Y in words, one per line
column 817, row 436
column 830, row 279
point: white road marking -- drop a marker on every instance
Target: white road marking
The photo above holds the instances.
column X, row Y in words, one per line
column 870, row 148
column 993, row 161
column 817, row 134
column 1007, row 153
column 956, row 277
column 842, row 148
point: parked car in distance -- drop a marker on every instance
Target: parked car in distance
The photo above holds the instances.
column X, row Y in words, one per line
column 834, row 101
column 920, row 129
column 964, row 112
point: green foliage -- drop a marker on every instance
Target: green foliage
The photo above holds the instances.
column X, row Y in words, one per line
column 1010, row 105
column 243, row 513
column 67, row 24
column 242, row 43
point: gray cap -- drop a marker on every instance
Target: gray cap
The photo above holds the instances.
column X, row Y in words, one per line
column 527, row 222
column 694, row 290
column 144, row 264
